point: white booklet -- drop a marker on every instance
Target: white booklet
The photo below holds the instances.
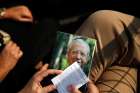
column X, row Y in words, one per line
column 72, row 75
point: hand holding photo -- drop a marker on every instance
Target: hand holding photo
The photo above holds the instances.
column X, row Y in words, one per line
column 72, row 75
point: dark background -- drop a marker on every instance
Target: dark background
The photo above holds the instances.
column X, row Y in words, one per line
column 48, row 16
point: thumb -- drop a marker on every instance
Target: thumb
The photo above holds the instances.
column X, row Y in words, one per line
column 73, row 89
column 92, row 88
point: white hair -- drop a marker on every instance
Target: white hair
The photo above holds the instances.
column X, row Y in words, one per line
column 79, row 41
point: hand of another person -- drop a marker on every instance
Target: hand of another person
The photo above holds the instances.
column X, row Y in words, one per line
column 72, row 89
column 18, row 13
column 9, row 57
column 91, row 88
column 34, row 86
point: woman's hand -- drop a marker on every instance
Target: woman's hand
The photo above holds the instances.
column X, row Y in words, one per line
column 18, row 13
column 34, row 86
column 9, row 57
column 91, row 88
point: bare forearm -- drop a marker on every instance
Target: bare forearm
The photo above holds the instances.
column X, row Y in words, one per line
column 18, row 13
column 3, row 73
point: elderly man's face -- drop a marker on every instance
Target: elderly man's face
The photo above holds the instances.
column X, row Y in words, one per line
column 77, row 52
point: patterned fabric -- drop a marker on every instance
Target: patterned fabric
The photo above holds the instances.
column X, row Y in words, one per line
column 118, row 42
column 118, row 79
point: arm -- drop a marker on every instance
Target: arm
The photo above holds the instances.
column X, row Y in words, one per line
column 17, row 13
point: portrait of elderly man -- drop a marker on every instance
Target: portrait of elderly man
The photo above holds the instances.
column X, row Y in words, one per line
column 78, row 51
column 71, row 48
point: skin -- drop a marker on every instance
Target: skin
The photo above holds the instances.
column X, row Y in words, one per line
column 9, row 57
column 77, row 52
column 34, row 86
column 18, row 13
column 11, row 53
column 91, row 88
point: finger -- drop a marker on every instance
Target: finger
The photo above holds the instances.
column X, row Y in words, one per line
column 39, row 65
column 44, row 67
column 13, row 46
column 20, row 54
column 39, row 77
column 48, row 72
column 90, row 84
column 27, row 15
column 49, row 88
column 16, row 50
column 92, row 88
column 9, row 44
column 72, row 89
column 25, row 19
column 53, row 71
